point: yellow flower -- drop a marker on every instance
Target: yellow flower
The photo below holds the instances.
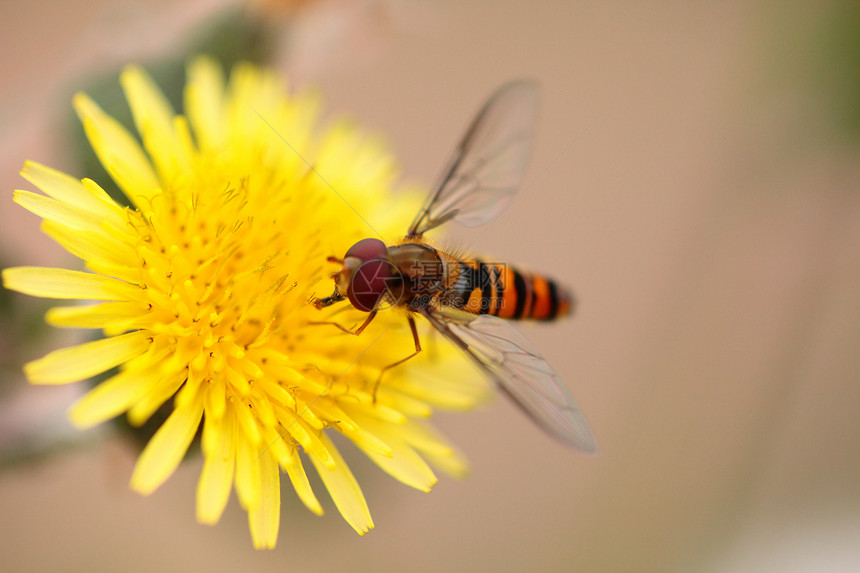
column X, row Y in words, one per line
column 204, row 289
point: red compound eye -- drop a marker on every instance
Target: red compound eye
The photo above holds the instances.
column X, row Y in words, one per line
column 367, row 249
column 371, row 279
column 369, row 283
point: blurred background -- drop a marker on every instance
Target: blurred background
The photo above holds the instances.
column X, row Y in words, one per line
column 695, row 179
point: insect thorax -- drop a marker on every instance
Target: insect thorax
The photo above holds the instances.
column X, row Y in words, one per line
column 427, row 272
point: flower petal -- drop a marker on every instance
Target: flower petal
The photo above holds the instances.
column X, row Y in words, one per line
column 166, row 449
column 63, row 283
column 166, row 387
column 102, row 315
column 248, row 422
column 247, row 471
column 404, row 463
column 110, row 398
column 299, row 478
column 54, row 210
column 119, row 152
column 297, row 429
column 264, row 519
column 216, row 479
column 93, row 247
column 85, row 360
column 344, row 490
column 66, row 189
column 153, row 117
column 204, row 101
column 435, row 448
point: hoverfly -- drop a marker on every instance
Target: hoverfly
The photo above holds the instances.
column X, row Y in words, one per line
column 467, row 301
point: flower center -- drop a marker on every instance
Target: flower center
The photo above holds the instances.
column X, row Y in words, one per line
column 215, row 276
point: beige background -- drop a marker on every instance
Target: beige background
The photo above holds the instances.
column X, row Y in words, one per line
column 686, row 183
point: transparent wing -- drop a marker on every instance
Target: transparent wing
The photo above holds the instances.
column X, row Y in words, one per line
column 520, row 372
column 486, row 169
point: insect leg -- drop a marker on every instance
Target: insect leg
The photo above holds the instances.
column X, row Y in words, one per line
column 357, row 331
column 402, row 360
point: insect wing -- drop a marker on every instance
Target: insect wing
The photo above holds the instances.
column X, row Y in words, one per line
column 487, row 167
column 520, row 371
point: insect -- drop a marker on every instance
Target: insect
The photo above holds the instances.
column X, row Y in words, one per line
column 468, row 301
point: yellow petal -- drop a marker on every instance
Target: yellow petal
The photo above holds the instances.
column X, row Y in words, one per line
column 299, row 479
column 146, row 406
column 409, row 405
column 450, row 393
column 63, row 283
column 368, row 442
column 216, row 479
column 263, row 408
column 406, row 466
column 204, row 101
column 112, row 212
column 103, row 315
column 247, row 470
column 298, row 429
column 153, row 117
column 345, row 491
column 453, row 464
column 88, row 359
column 93, row 247
column 166, row 449
column 184, row 162
column 70, row 191
column 119, row 152
column 277, row 394
column 435, row 448
column 216, row 398
column 276, row 445
column 248, row 423
column 264, row 519
column 59, row 211
column 404, row 463
column 111, row 398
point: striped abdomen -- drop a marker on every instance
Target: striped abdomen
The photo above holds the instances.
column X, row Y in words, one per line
column 498, row 289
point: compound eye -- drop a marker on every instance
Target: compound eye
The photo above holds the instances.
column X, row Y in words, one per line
column 369, row 283
column 367, row 250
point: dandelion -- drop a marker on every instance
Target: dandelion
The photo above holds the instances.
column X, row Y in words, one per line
column 202, row 288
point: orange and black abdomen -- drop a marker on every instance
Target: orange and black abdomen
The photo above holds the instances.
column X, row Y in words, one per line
column 498, row 289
